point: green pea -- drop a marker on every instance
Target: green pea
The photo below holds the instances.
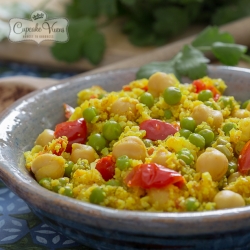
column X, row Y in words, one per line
column 192, row 204
column 228, row 127
column 97, row 141
column 221, row 141
column 123, row 162
column 63, row 181
column 56, row 187
column 244, row 105
column 225, row 101
column 45, row 182
column 172, row 95
column 100, row 96
column 113, row 182
column 197, row 140
column 205, row 95
column 89, row 114
column 224, row 150
column 208, row 136
column 185, row 133
column 97, row 196
column 211, row 104
column 68, row 168
column 111, row 130
column 147, row 142
column 232, row 168
column 188, row 123
column 168, row 114
column 185, row 155
column 147, row 99
column 67, row 191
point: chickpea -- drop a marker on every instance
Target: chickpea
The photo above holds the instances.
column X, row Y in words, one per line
column 45, row 137
column 160, row 157
column 228, row 199
column 84, row 152
column 161, row 196
column 248, row 106
column 233, row 177
column 217, row 118
column 159, row 81
column 214, row 162
column 48, row 165
column 241, row 113
column 201, row 113
column 132, row 146
column 124, row 106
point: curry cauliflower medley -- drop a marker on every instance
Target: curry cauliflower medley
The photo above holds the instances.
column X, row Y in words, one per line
column 156, row 145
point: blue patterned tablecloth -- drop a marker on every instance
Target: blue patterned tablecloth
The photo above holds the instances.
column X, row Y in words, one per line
column 19, row 227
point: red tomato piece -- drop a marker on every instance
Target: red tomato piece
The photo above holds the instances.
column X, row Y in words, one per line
column 199, row 86
column 153, row 175
column 244, row 159
column 157, row 129
column 106, row 167
column 126, row 88
column 75, row 131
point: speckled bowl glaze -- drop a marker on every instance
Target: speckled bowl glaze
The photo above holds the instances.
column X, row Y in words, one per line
column 96, row 226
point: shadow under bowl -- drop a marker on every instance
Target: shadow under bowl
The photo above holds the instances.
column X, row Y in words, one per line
column 106, row 228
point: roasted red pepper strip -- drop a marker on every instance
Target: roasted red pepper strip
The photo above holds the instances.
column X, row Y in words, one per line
column 75, row 131
column 106, row 167
column 157, row 129
column 153, row 175
column 244, row 159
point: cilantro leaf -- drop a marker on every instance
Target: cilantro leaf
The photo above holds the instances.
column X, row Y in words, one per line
column 94, row 47
column 228, row 54
column 210, row 35
column 92, row 8
column 87, row 8
column 128, row 2
column 81, row 32
column 192, row 62
column 147, row 70
column 166, row 17
column 233, row 11
column 108, row 8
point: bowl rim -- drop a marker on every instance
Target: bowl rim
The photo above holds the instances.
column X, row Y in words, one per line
column 28, row 191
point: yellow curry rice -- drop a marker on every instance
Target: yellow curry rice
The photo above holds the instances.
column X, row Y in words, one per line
column 156, row 145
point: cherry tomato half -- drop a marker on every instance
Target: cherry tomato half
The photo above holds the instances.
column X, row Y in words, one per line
column 153, row 175
column 200, row 85
column 106, row 167
column 157, row 129
column 244, row 159
column 75, row 131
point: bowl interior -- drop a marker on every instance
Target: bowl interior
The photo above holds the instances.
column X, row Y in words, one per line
column 25, row 119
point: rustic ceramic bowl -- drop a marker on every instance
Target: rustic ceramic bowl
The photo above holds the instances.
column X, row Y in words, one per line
column 105, row 228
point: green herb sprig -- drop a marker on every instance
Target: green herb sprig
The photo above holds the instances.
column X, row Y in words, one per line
column 146, row 23
column 192, row 62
